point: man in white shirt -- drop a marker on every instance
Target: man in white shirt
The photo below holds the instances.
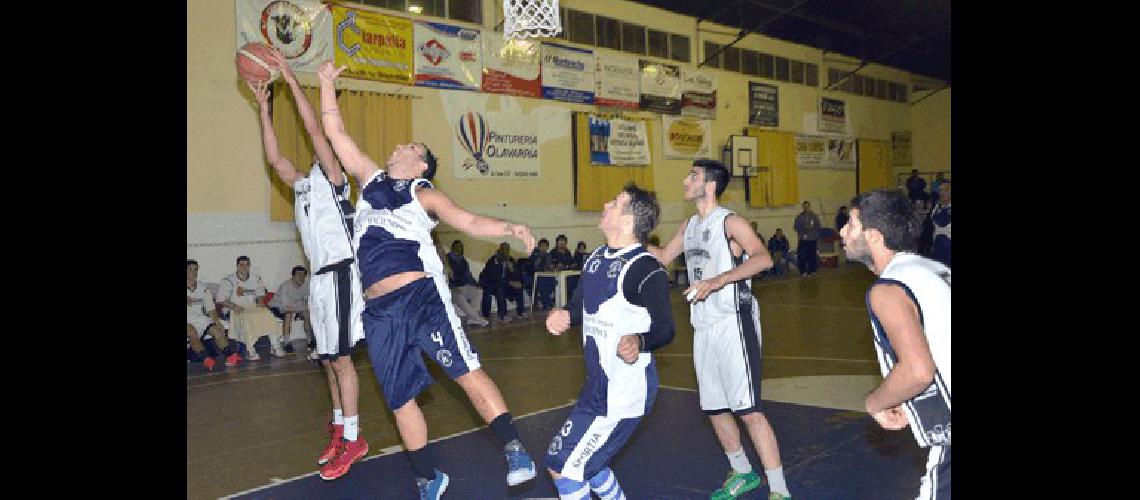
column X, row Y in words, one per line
column 241, row 293
column 202, row 323
column 292, row 301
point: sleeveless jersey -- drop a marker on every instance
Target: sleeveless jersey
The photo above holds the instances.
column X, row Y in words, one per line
column 613, row 388
column 927, row 282
column 324, row 219
column 707, row 254
column 393, row 231
column 940, row 216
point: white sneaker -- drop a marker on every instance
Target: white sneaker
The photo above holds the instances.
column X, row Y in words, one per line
column 478, row 321
column 252, row 355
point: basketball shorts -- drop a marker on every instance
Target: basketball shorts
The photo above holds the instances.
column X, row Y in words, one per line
column 404, row 324
column 586, row 443
column 726, row 355
column 335, row 306
column 935, row 484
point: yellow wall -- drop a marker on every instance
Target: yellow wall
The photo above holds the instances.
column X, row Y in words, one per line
column 228, row 180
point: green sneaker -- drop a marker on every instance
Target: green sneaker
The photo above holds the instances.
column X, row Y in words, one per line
column 776, row 496
column 737, row 484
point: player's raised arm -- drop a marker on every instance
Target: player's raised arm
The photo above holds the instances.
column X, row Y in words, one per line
column 455, row 216
column 355, row 161
column 284, row 168
column 309, row 118
column 670, row 251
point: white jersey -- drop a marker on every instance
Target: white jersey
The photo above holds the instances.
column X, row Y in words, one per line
column 707, row 254
column 251, row 288
column 393, row 231
column 928, row 284
column 607, row 316
column 324, row 218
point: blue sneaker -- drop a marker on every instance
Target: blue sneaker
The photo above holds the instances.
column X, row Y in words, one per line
column 432, row 490
column 520, row 468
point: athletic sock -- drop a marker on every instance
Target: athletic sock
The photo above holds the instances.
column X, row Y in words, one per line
column 351, row 427
column 739, row 461
column 776, row 481
column 569, row 489
column 338, row 416
column 423, row 463
column 504, row 428
column 605, row 484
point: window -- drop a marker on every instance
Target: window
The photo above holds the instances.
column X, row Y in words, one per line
column 387, row 4
column 766, row 65
column 710, row 49
column 782, row 69
column 581, row 26
column 679, row 48
column 609, row 32
column 902, row 97
column 465, row 10
column 797, row 72
column 658, row 43
column 832, row 76
column 857, row 84
column 848, row 85
column 565, row 24
column 869, row 87
column 437, row 8
column 748, row 62
column 731, row 59
column 881, row 89
column 633, row 38
column 811, row 75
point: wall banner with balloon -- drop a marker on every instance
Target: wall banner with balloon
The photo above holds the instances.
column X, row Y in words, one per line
column 496, row 145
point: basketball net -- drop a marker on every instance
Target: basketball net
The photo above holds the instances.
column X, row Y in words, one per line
column 530, row 18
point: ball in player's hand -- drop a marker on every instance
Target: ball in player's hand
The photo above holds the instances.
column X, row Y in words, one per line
column 254, row 63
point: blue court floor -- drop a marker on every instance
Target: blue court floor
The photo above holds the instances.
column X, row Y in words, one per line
column 827, row 454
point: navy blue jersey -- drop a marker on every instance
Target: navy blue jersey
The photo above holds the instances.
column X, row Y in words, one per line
column 393, row 231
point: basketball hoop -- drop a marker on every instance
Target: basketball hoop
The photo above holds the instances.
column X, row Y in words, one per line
column 530, row 18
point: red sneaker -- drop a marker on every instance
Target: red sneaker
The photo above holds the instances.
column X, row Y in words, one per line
column 233, row 359
column 209, row 363
column 336, row 431
column 348, row 453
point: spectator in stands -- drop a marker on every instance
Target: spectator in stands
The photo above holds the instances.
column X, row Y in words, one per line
column 560, row 256
column 807, row 229
column 465, row 292
column 778, row 248
column 916, row 188
column 242, row 294
column 500, row 279
column 934, row 187
column 540, row 261
column 935, row 240
column 292, row 302
column 841, row 218
column 203, row 326
column 580, row 255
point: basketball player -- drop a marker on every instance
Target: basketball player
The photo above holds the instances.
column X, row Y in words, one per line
column 409, row 309
column 324, row 219
column 623, row 301
column 722, row 253
column 909, row 307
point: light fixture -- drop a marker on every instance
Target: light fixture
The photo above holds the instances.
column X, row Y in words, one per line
column 415, row 9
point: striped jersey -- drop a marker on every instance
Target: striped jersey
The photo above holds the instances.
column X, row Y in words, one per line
column 393, row 231
column 927, row 282
column 707, row 254
column 613, row 388
column 324, row 219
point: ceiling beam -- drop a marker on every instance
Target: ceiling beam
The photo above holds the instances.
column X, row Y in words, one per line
column 755, row 29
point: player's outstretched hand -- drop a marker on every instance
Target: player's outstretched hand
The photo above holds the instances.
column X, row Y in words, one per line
column 327, row 72
column 558, row 321
column 260, row 92
column 891, row 418
column 522, row 232
column 628, row 348
column 701, row 289
column 278, row 59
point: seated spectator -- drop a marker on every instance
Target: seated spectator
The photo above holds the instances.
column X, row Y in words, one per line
column 560, row 257
column 580, row 255
column 500, row 279
column 916, row 189
column 204, row 328
column 778, row 248
column 935, row 239
column 465, row 292
column 241, row 293
column 292, row 302
column 934, row 188
column 540, row 261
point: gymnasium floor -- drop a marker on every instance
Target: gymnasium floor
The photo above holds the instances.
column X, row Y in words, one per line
column 254, row 431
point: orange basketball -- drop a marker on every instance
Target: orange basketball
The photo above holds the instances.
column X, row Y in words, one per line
column 254, row 64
